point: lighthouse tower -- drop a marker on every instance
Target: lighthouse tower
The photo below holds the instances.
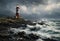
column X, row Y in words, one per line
column 17, row 13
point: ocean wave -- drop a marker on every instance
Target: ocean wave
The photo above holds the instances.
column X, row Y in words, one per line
column 47, row 30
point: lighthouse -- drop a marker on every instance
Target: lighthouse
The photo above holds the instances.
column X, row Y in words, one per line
column 17, row 13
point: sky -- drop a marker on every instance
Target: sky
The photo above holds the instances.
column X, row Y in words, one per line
column 31, row 9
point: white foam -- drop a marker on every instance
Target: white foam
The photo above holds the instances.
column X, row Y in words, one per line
column 39, row 40
column 29, row 26
column 39, row 32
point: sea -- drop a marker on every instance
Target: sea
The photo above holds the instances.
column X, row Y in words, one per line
column 51, row 29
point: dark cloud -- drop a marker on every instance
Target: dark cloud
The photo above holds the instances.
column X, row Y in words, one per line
column 31, row 1
column 4, row 11
column 21, row 1
column 5, row 3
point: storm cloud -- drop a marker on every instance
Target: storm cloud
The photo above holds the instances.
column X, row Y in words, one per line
column 31, row 9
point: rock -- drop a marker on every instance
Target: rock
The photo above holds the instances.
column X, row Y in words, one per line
column 32, row 36
column 21, row 34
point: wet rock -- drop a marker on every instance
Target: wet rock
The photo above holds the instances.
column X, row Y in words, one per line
column 21, row 33
column 42, row 23
column 4, row 38
column 32, row 36
column 11, row 32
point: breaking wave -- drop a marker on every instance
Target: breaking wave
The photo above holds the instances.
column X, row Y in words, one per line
column 47, row 30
